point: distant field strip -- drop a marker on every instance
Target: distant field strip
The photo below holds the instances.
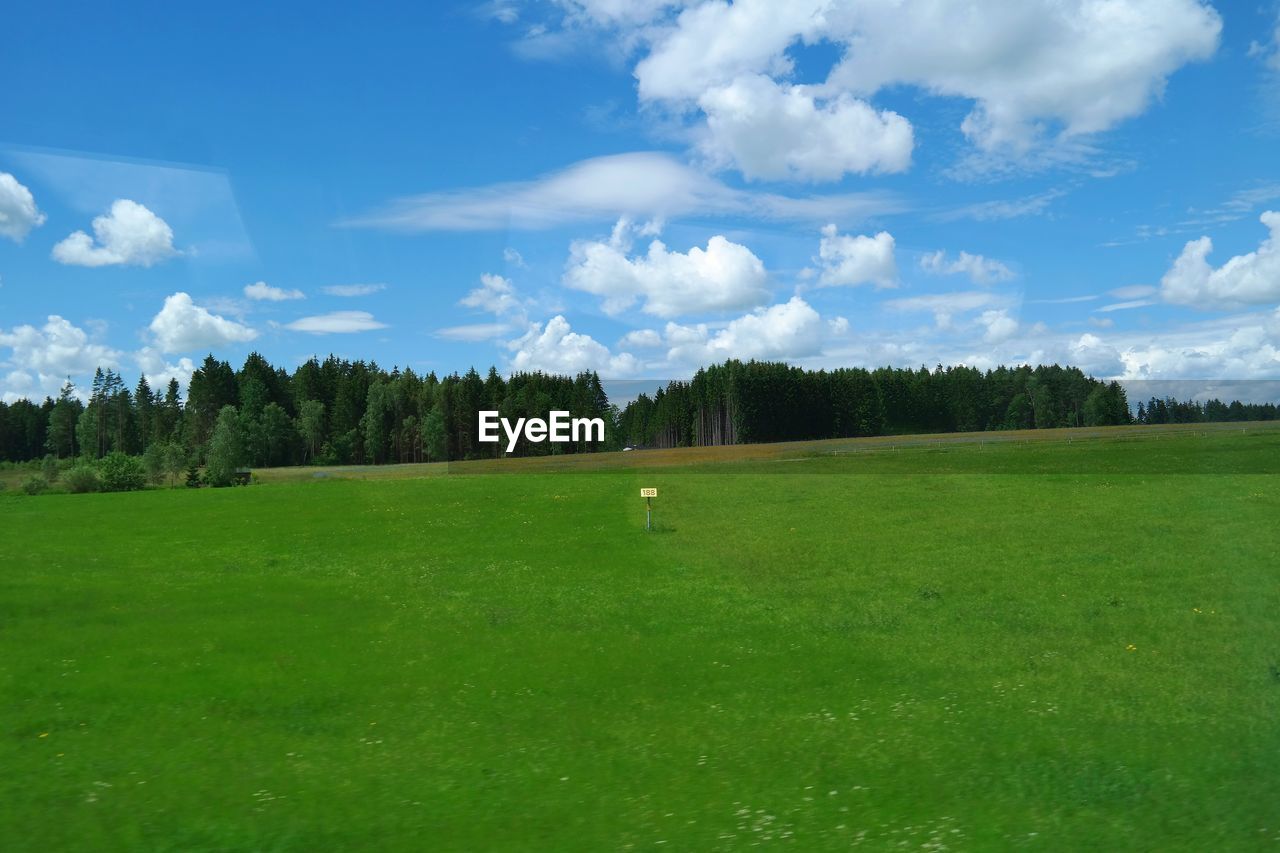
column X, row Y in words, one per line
column 698, row 456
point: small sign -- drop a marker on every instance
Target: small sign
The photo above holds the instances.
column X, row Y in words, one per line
column 648, row 493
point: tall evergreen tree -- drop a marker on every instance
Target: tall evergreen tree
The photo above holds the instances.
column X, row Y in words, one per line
column 61, row 437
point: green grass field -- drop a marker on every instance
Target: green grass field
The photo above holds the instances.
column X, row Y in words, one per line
column 1042, row 646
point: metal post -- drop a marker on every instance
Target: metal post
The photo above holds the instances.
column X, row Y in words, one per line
column 648, row 513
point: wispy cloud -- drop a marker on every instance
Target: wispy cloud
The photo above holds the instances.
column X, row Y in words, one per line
column 1241, row 204
column 351, row 290
column 1066, row 300
column 475, row 332
column 336, row 323
column 945, row 306
column 1126, row 305
column 1133, row 291
column 641, row 185
column 998, row 209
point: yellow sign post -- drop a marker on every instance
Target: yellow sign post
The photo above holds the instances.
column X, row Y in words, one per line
column 648, row 495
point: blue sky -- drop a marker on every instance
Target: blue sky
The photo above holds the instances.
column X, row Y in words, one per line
column 641, row 188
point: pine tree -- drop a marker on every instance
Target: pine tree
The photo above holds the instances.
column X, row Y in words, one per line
column 97, row 403
column 168, row 414
column 277, row 435
column 144, row 409
column 61, row 439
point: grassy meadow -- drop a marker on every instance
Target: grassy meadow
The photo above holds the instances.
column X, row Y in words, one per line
column 970, row 645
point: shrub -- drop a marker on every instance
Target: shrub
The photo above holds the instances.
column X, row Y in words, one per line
column 81, row 479
column 50, row 468
column 35, row 484
column 121, row 472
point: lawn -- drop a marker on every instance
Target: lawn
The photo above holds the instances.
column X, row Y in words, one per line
column 1043, row 646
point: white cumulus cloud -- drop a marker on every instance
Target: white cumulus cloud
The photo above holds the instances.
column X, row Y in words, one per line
column 999, row 325
column 1083, row 65
column 723, row 276
column 847, row 261
column 641, row 339
column 1239, row 347
column 789, row 331
column 1032, row 72
column 1095, row 356
column 18, row 211
column 775, row 131
column 183, row 326
column 261, row 291
column 1249, row 279
column 129, row 234
column 42, row 358
column 496, row 295
column 714, row 42
column 786, row 331
column 160, row 370
column 554, row 347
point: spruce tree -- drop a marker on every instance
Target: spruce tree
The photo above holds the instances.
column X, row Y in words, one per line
column 61, row 439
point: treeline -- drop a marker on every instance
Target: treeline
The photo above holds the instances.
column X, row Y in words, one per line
column 337, row 412
column 1170, row 411
column 331, row 412
column 739, row 402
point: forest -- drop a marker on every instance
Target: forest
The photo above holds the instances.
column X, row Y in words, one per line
column 755, row 401
column 330, row 412
column 338, row 412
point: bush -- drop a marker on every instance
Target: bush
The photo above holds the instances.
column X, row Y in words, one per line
column 50, row 468
column 121, row 472
column 35, row 484
column 81, row 479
